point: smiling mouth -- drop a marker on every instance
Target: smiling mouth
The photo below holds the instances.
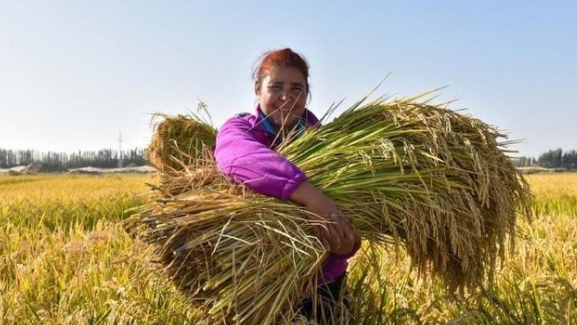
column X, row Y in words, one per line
column 286, row 106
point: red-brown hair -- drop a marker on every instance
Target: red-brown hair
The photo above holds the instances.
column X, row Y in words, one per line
column 281, row 58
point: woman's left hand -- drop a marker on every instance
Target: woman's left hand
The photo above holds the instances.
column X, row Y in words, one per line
column 345, row 231
column 336, row 233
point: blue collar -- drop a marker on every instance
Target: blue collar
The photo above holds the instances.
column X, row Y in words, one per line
column 270, row 128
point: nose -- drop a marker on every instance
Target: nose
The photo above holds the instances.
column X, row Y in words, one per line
column 286, row 95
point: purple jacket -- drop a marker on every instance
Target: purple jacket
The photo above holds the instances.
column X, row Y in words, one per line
column 245, row 154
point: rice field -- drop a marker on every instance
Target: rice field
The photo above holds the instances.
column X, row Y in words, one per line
column 66, row 259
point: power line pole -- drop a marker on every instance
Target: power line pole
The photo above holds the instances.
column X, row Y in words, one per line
column 119, row 149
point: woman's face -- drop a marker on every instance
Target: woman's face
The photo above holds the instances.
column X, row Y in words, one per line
column 282, row 94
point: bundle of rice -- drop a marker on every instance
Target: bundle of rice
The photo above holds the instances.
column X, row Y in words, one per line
column 179, row 140
column 409, row 173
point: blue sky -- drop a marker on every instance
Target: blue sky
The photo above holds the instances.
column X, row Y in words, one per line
column 75, row 73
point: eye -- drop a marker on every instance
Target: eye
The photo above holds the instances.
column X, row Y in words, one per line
column 297, row 90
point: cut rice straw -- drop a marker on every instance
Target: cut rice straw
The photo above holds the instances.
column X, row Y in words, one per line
column 412, row 173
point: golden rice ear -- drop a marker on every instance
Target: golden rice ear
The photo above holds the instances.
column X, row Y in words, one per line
column 409, row 174
column 459, row 225
column 178, row 141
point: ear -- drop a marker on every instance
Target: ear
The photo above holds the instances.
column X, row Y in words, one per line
column 256, row 87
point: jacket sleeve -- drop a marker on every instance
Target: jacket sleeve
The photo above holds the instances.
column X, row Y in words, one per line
column 244, row 160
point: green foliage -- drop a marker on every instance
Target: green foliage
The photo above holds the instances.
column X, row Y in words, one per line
column 58, row 161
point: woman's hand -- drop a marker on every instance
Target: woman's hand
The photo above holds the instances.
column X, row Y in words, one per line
column 337, row 235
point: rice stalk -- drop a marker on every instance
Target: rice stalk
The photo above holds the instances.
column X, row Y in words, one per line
column 179, row 140
column 408, row 173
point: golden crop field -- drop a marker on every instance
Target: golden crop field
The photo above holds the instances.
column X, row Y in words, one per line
column 66, row 259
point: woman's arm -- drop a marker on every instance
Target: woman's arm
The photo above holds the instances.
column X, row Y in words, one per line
column 339, row 236
column 244, row 160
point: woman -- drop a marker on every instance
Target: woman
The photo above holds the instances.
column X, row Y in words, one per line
column 245, row 152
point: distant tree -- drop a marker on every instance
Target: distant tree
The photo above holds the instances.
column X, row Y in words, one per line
column 570, row 159
column 103, row 158
column 551, row 158
column 519, row 162
column 3, row 154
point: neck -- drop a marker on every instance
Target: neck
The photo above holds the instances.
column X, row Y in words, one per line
column 285, row 128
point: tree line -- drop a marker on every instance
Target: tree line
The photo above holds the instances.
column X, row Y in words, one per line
column 551, row 159
column 103, row 158
column 110, row 158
